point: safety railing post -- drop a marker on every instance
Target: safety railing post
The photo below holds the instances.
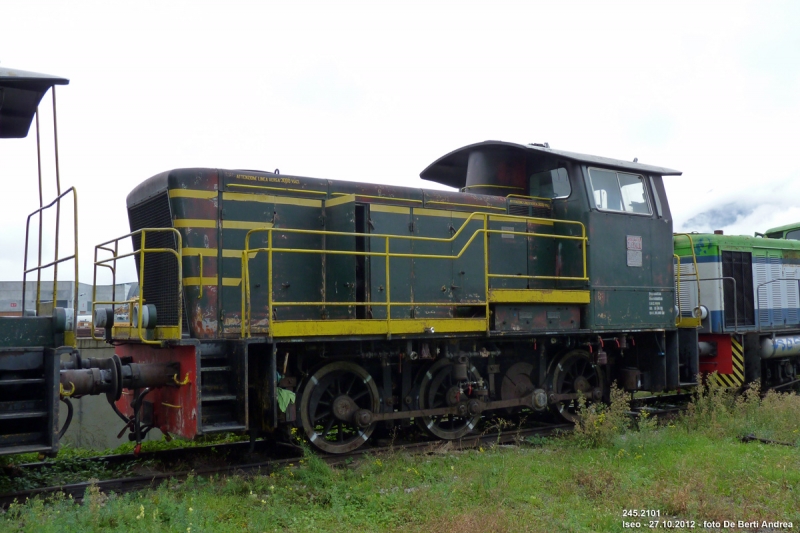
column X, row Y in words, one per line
column 243, row 319
column 678, row 288
column 388, row 290
column 486, row 267
column 141, row 285
column 269, row 273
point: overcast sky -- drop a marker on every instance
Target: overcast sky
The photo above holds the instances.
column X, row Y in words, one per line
column 375, row 91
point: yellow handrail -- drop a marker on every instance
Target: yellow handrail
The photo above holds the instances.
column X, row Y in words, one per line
column 140, row 253
column 387, row 254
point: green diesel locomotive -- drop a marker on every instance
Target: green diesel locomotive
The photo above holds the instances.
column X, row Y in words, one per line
column 340, row 307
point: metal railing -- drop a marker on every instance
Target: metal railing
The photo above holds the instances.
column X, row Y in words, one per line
column 40, row 212
column 271, row 249
column 112, row 247
column 56, row 260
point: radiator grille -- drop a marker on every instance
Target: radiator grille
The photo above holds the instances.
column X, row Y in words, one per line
column 541, row 210
column 160, row 269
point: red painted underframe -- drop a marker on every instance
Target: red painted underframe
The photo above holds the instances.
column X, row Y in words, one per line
column 722, row 363
column 180, row 420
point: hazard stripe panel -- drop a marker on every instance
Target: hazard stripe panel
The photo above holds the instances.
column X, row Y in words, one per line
column 738, row 361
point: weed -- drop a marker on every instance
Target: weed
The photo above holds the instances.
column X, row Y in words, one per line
column 646, row 422
column 598, row 424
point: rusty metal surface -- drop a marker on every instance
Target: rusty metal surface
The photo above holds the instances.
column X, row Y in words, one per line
column 539, row 318
column 181, row 416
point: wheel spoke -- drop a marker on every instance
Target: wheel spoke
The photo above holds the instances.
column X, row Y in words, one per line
column 359, row 395
column 350, row 387
column 321, row 416
column 328, row 427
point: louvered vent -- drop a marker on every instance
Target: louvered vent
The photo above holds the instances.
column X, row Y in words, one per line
column 532, row 208
column 687, row 292
column 160, row 269
column 520, row 210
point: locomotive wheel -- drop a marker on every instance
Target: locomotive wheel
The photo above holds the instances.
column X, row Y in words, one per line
column 330, row 400
column 575, row 372
column 439, row 389
column 517, row 382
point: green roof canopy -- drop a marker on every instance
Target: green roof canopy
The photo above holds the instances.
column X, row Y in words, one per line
column 20, row 94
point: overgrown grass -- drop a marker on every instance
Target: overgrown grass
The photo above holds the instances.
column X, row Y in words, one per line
column 692, row 468
column 599, row 424
column 73, row 465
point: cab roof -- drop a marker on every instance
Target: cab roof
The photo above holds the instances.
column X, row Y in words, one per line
column 20, row 94
column 451, row 169
column 782, row 229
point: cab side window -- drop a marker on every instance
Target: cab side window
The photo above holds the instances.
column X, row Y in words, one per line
column 550, row 184
column 619, row 191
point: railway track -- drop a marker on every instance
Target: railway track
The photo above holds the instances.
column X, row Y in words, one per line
column 263, row 465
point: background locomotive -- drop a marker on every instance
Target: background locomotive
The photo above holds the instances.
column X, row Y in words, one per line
column 269, row 301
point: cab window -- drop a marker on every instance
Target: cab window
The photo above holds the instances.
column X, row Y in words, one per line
column 619, row 191
column 793, row 235
column 550, row 184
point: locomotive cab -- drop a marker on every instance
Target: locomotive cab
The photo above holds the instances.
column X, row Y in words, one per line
column 624, row 209
column 622, row 205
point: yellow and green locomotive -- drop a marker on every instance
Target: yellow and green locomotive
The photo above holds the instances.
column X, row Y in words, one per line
column 340, row 307
column 741, row 294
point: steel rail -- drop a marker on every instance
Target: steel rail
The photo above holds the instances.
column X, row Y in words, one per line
column 131, row 484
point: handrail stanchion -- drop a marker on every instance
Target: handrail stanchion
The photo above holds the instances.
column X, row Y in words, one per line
column 243, row 318
column 388, row 290
column 141, row 286
column 678, row 288
column 486, row 267
column 269, row 292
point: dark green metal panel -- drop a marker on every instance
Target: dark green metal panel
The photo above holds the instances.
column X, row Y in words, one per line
column 17, row 331
column 432, row 278
column 542, row 258
column 390, row 223
column 468, row 276
column 631, row 270
column 508, row 253
column 233, row 240
column 297, row 277
column 633, row 307
column 340, row 270
column 29, row 393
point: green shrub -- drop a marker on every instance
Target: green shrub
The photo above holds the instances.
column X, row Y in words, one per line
column 598, row 424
